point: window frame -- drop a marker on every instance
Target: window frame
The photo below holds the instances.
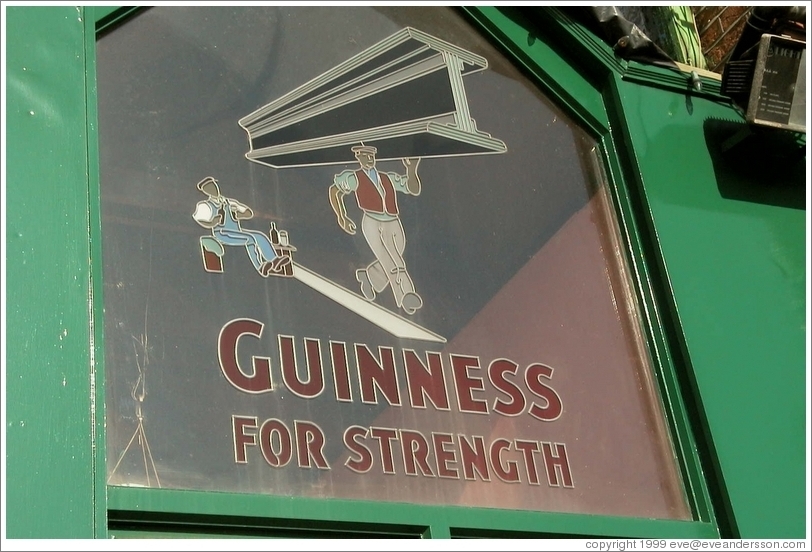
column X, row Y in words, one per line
column 587, row 93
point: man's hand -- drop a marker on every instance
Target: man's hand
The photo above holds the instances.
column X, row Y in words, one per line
column 411, row 163
column 412, row 180
column 337, row 203
column 347, row 225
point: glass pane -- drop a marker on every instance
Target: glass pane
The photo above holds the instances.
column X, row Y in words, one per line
column 468, row 338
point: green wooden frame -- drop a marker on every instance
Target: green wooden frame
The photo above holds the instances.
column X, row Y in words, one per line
column 53, row 430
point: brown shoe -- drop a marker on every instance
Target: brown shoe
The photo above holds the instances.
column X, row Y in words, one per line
column 277, row 266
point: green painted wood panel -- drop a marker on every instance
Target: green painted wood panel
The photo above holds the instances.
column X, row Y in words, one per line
column 732, row 243
column 49, row 435
column 274, row 512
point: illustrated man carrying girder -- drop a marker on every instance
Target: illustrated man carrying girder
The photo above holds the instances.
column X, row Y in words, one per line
column 376, row 194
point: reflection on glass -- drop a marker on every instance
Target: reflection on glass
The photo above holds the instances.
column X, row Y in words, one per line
column 317, row 284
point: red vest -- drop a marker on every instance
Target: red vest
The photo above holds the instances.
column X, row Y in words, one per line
column 368, row 197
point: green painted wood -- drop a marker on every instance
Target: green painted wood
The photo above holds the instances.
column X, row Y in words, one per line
column 235, row 509
column 106, row 17
column 49, row 434
column 678, row 81
column 96, row 276
column 640, row 255
column 732, row 245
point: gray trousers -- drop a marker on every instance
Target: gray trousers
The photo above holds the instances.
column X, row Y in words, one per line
column 387, row 241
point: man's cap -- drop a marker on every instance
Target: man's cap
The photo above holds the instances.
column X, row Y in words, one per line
column 364, row 148
column 207, row 181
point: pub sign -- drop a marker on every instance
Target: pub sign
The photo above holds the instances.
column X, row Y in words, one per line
column 353, row 252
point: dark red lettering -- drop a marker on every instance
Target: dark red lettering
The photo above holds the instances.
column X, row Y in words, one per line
column 310, row 444
column 279, row 455
column 381, row 375
column 467, row 384
column 260, row 380
column 528, row 448
column 363, row 463
column 554, row 406
column 242, row 439
column 290, row 373
column 557, row 463
column 385, row 437
column 509, row 471
column 444, row 456
column 473, row 458
column 425, row 382
column 341, row 373
column 496, row 373
column 415, row 452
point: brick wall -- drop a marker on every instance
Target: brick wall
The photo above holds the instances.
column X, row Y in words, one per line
column 719, row 29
